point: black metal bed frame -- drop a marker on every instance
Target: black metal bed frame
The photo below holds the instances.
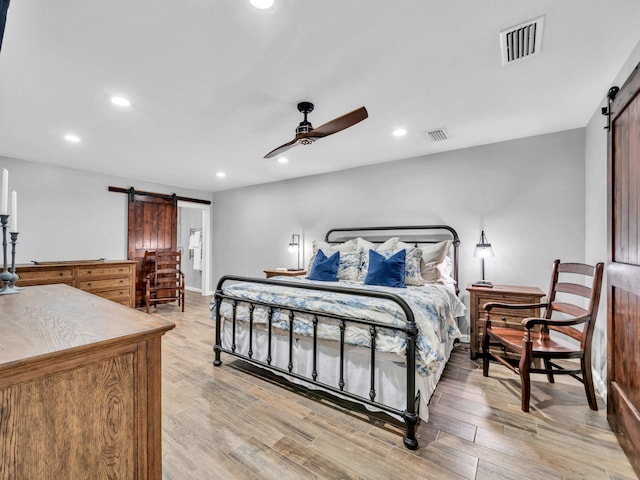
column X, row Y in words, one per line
column 408, row 328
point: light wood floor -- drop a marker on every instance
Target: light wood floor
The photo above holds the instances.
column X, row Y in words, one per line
column 223, row 423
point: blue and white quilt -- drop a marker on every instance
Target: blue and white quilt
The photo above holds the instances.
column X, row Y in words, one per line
column 435, row 308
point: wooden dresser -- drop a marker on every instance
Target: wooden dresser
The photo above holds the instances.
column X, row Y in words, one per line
column 110, row 279
column 79, row 387
column 499, row 317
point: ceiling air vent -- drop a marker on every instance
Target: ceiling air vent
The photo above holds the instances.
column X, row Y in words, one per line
column 437, row 135
column 521, row 41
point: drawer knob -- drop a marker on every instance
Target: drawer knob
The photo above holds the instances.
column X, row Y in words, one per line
column 88, row 272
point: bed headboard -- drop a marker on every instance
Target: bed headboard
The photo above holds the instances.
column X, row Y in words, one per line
column 414, row 234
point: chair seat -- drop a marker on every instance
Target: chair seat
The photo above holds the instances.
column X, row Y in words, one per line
column 542, row 344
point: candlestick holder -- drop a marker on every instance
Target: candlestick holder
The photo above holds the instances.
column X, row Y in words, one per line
column 14, row 276
column 6, row 277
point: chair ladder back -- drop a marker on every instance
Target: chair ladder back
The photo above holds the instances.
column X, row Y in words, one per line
column 551, row 296
column 165, row 283
column 548, row 348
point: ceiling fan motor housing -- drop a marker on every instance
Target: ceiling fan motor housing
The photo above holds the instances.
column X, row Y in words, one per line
column 305, row 126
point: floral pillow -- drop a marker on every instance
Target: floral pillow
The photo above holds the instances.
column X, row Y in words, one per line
column 413, row 271
column 329, row 249
column 349, row 266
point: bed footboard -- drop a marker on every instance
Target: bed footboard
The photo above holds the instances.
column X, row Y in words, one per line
column 407, row 328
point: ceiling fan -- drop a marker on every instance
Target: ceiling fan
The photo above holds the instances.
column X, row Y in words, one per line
column 306, row 134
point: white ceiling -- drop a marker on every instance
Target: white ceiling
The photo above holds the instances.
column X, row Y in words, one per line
column 215, row 83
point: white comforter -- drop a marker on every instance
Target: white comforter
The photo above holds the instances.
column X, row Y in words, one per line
column 435, row 308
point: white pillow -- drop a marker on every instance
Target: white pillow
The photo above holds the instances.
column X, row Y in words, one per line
column 435, row 252
column 366, row 245
column 438, row 272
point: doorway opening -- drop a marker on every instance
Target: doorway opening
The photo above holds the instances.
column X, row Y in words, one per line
column 194, row 239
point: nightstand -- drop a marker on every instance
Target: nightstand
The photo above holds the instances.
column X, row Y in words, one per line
column 499, row 317
column 286, row 273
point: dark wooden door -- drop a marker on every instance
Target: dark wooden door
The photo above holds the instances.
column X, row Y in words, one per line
column 623, row 272
column 153, row 225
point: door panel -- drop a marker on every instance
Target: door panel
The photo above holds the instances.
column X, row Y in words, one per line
column 623, row 272
column 153, row 225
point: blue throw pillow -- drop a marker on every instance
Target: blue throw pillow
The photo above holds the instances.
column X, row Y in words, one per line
column 388, row 272
column 325, row 269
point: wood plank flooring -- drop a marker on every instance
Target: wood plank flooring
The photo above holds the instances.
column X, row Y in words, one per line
column 224, row 423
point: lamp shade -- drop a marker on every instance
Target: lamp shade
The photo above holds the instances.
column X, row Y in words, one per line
column 483, row 248
column 294, row 243
column 294, row 247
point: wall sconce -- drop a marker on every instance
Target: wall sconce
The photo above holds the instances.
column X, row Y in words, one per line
column 483, row 250
column 294, row 246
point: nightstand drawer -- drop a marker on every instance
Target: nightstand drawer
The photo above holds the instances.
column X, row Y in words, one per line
column 500, row 317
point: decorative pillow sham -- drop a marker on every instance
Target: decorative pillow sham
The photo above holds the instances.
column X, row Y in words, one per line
column 325, row 269
column 328, row 248
column 413, row 270
column 386, row 270
column 349, row 266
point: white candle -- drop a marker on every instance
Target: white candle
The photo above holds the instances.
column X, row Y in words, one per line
column 14, row 211
column 5, row 191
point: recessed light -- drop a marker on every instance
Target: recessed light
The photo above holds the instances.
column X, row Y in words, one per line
column 283, row 160
column 70, row 137
column 399, row 132
column 221, row 174
column 262, row 4
column 121, row 101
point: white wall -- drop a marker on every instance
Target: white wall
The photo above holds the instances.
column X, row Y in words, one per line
column 527, row 194
column 67, row 214
column 596, row 213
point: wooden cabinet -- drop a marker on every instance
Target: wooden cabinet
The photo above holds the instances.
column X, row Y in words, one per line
column 286, row 273
column 110, row 279
column 80, row 387
column 499, row 317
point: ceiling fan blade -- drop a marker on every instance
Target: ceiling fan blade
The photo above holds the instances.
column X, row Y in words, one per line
column 338, row 124
column 282, row 148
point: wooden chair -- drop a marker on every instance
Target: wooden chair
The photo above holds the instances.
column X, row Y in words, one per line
column 545, row 339
column 164, row 279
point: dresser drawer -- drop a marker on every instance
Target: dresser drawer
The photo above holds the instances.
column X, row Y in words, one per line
column 86, row 273
column 44, row 277
column 112, row 279
column 106, row 284
column 119, row 295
